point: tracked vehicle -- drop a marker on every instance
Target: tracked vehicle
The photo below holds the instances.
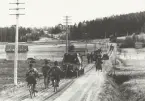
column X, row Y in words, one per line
column 72, row 65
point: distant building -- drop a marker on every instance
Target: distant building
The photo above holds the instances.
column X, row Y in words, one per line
column 22, row 52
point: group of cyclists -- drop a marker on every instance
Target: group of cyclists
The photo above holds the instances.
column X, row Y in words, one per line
column 97, row 57
column 49, row 73
column 54, row 72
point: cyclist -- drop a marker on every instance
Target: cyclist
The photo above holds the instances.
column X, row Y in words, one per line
column 99, row 62
column 45, row 70
column 88, row 57
column 55, row 73
column 91, row 57
column 99, row 50
column 31, row 76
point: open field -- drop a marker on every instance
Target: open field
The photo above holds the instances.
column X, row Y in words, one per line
column 130, row 75
column 51, row 51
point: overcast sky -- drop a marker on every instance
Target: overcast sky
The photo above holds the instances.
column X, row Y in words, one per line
column 39, row 13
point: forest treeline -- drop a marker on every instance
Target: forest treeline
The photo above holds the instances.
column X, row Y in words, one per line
column 7, row 34
column 119, row 25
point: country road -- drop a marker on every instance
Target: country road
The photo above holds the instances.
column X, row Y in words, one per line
column 84, row 88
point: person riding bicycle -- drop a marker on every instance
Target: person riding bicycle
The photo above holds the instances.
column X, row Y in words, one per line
column 99, row 62
column 31, row 76
column 100, row 50
column 55, row 73
column 45, row 70
column 88, row 57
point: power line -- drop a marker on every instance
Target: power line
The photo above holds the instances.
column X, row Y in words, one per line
column 16, row 38
column 67, row 19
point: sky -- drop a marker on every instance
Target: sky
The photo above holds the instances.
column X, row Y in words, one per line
column 40, row 13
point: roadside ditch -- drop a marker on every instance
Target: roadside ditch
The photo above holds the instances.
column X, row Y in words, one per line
column 125, row 82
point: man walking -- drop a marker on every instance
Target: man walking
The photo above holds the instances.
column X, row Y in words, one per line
column 88, row 57
column 45, row 70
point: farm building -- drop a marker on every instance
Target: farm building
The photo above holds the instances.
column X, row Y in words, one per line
column 138, row 45
column 22, row 50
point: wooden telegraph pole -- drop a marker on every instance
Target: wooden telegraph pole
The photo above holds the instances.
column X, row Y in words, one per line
column 16, row 38
column 66, row 23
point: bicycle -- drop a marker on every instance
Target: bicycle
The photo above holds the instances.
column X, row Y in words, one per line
column 46, row 81
column 55, row 85
column 31, row 90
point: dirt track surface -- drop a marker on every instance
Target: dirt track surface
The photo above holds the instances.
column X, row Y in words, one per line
column 84, row 88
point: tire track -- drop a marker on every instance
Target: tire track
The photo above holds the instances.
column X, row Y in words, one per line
column 60, row 91
column 84, row 88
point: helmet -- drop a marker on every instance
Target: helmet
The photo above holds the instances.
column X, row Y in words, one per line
column 46, row 61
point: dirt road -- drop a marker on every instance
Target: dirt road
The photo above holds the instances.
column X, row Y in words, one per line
column 85, row 88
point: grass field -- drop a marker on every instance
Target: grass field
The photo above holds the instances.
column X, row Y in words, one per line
column 51, row 51
column 7, row 70
column 130, row 75
column 128, row 83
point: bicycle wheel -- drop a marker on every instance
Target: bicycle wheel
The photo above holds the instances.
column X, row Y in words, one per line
column 45, row 82
column 31, row 90
column 55, row 85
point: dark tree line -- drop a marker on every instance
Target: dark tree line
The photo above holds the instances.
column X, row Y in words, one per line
column 55, row 30
column 99, row 28
column 115, row 25
column 7, row 34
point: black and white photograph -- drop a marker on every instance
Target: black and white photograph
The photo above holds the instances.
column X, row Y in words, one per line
column 72, row 50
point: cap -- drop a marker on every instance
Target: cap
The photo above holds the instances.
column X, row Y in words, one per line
column 55, row 63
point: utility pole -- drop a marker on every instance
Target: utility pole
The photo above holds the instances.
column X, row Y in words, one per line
column 66, row 23
column 16, row 38
column 105, row 42
column 86, row 37
column 127, row 33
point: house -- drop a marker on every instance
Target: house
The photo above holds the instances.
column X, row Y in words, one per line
column 10, row 52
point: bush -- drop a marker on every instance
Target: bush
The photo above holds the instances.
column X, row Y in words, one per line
column 128, row 43
column 113, row 38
